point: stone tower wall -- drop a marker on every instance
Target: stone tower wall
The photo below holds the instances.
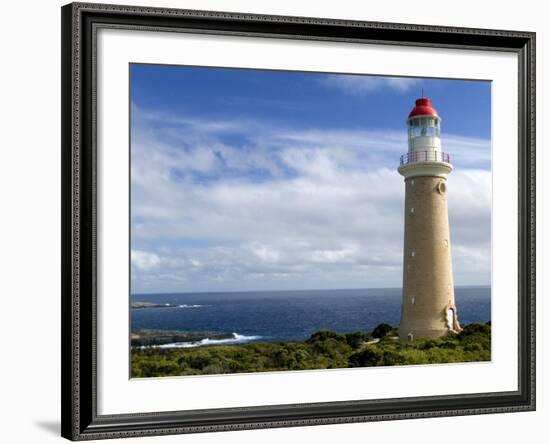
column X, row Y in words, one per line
column 428, row 288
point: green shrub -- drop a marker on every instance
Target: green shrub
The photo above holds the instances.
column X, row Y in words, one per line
column 356, row 339
column 472, row 329
column 366, row 358
column 323, row 335
column 382, row 330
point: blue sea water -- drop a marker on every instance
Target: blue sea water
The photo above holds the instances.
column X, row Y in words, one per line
column 290, row 315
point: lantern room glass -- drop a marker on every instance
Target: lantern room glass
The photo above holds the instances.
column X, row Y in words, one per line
column 424, row 127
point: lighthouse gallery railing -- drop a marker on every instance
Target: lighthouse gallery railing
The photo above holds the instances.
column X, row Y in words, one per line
column 425, row 156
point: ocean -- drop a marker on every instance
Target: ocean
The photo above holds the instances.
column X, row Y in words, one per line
column 288, row 315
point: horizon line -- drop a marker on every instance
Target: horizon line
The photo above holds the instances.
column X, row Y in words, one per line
column 281, row 291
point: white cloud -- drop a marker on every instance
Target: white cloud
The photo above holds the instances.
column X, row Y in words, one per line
column 143, row 260
column 265, row 253
column 468, row 152
column 325, row 212
column 341, row 255
column 362, row 85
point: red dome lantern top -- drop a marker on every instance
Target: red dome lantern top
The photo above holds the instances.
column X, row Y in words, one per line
column 423, row 108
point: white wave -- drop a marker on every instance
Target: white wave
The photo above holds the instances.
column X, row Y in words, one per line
column 190, row 306
column 236, row 339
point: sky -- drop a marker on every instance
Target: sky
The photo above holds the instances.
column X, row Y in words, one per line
column 246, row 180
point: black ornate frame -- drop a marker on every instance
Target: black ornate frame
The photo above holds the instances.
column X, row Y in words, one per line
column 80, row 22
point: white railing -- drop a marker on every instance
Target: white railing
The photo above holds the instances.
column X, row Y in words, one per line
column 425, row 156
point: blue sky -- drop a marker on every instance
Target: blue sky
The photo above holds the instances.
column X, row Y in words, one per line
column 252, row 179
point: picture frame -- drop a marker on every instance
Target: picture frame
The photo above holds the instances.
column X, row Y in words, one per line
column 81, row 207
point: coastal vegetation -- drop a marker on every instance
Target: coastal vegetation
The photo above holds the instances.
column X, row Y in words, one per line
column 324, row 349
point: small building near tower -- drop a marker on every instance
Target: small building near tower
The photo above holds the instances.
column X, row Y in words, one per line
column 428, row 307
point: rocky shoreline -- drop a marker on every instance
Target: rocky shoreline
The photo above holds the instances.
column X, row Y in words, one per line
column 151, row 338
column 140, row 305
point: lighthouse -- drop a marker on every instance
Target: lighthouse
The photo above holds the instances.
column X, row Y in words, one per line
column 428, row 307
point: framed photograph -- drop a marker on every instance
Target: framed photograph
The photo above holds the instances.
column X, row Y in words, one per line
column 281, row 221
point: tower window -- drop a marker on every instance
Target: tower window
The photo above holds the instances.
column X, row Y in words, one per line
column 412, row 210
column 413, row 253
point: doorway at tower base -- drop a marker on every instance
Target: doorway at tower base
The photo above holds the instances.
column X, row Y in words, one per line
column 452, row 320
column 450, row 324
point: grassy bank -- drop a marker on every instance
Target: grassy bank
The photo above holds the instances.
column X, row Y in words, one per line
column 324, row 349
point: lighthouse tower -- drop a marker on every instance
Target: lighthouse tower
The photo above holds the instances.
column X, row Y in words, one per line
column 428, row 308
